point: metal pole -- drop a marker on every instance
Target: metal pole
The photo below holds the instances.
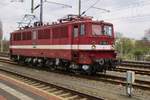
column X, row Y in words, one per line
column 1, row 45
column 41, row 12
column 79, row 8
column 121, row 49
column 32, row 6
column 1, row 36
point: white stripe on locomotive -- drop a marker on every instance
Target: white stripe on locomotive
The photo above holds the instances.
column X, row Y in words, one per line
column 65, row 47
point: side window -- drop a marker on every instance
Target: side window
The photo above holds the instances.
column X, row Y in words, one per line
column 82, row 29
column 23, row 35
column 18, row 36
column 34, row 35
column 44, row 34
column 75, row 31
column 28, row 37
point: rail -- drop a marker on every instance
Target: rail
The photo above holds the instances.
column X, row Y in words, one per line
column 103, row 77
column 63, row 92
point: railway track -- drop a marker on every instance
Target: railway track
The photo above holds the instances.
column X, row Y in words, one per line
column 136, row 64
column 104, row 78
column 119, row 69
column 137, row 71
column 62, row 92
column 139, row 67
column 145, row 85
column 140, row 64
column 2, row 54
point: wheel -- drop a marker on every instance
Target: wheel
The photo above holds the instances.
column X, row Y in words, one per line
column 52, row 68
column 88, row 69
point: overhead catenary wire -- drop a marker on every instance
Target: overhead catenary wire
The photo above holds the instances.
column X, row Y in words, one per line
column 134, row 15
column 101, row 9
column 136, row 3
column 90, row 7
column 65, row 5
column 130, row 6
column 129, row 17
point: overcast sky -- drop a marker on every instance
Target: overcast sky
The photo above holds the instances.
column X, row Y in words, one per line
column 130, row 17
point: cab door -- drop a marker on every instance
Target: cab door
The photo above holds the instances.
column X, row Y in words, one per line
column 34, row 38
column 82, row 35
column 75, row 37
column 75, row 43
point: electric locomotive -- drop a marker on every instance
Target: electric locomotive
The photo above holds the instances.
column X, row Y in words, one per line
column 76, row 44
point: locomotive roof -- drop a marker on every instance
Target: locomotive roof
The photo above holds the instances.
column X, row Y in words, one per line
column 55, row 24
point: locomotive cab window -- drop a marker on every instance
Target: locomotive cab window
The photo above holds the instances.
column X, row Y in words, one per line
column 75, row 31
column 82, row 29
column 96, row 30
column 107, row 30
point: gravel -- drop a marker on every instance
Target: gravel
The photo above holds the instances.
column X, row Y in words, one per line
column 99, row 88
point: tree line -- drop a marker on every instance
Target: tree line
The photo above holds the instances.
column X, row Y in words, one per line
column 131, row 49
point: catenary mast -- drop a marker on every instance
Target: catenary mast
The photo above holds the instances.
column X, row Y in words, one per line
column 79, row 8
column 1, row 36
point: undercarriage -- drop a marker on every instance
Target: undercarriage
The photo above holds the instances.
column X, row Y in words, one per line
column 98, row 65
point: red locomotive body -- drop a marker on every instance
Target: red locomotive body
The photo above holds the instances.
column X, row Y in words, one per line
column 77, row 44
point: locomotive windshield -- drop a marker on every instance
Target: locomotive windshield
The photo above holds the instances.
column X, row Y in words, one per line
column 96, row 30
column 99, row 30
column 107, row 30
